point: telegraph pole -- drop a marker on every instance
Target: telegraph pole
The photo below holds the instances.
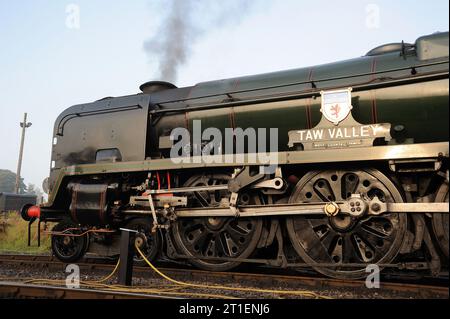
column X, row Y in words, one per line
column 24, row 125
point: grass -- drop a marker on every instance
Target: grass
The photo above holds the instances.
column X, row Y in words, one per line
column 13, row 238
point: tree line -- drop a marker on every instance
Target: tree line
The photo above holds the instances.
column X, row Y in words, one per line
column 8, row 183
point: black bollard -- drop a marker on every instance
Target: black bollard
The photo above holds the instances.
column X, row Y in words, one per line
column 127, row 238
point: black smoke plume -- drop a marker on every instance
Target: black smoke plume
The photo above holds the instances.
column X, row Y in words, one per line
column 184, row 22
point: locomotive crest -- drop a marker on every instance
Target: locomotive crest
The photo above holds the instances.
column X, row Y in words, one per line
column 336, row 105
column 338, row 128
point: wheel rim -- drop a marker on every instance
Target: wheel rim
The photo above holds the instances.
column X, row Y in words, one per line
column 215, row 237
column 150, row 247
column 68, row 248
column 341, row 239
column 149, row 243
column 441, row 222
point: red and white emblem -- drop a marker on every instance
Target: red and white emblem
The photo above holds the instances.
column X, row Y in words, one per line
column 336, row 105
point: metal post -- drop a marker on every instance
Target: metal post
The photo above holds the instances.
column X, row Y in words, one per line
column 23, row 125
column 39, row 232
column 127, row 239
column 29, row 230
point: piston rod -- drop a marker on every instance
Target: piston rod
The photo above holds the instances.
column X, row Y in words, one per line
column 305, row 209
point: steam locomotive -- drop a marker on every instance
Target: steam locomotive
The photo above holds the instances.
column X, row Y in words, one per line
column 358, row 174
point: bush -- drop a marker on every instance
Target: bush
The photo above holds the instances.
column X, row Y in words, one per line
column 14, row 237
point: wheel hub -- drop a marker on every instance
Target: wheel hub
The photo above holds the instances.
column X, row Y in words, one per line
column 342, row 223
column 67, row 240
column 141, row 240
column 214, row 223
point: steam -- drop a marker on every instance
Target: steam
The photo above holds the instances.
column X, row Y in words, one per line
column 184, row 23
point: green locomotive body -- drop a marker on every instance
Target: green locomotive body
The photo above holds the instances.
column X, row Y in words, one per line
column 109, row 156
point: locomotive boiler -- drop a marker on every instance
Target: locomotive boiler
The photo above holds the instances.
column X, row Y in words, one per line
column 358, row 171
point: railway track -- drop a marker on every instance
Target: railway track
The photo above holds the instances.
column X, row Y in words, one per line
column 261, row 280
column 28, row 291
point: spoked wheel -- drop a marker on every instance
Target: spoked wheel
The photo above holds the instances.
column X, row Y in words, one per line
column 440, row 221
column 68, row 248
column 342, row 239
column 147, row 242
column 215, row 237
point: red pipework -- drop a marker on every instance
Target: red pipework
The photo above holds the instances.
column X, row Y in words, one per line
column 168, row 180
column 158, row 179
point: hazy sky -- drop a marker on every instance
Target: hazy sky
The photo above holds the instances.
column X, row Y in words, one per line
column 49, row 61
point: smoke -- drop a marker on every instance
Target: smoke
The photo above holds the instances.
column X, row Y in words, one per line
column 183, row 24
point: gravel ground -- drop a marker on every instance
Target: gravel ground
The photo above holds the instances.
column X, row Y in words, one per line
column 155, row 284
